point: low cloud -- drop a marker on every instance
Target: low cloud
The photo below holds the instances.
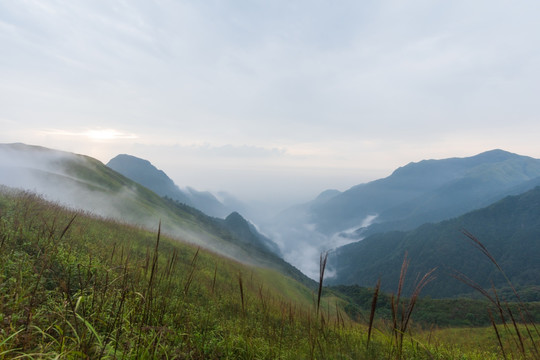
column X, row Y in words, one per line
column 302, row 244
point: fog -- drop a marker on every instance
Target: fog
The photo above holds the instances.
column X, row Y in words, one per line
column 49, row 174
column 301, row 243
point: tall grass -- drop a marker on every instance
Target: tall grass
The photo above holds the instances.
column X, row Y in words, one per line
column 372, row 310
column 402, row 310
column 76, row 286
column 523, row 337
column 322, row 267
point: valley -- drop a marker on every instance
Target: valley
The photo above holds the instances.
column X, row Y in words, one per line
column 119, row 262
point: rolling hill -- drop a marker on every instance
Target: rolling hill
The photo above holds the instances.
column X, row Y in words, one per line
column 84, row 183
column 144, row 173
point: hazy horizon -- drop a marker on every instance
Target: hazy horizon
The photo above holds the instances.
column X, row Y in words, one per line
column 271, row 102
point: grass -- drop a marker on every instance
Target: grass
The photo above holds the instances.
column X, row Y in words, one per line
column 76, row 286
column 523, row 340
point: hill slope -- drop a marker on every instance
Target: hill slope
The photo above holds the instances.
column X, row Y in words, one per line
column 509, row 228
column 79, row 286
column 85, row 183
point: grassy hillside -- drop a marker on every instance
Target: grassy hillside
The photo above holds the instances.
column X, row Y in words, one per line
column 85, row 183
column 77, row 286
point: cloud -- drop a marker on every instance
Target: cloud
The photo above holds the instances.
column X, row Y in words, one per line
column 278, row 86
column 93, row 134
column 236, row 151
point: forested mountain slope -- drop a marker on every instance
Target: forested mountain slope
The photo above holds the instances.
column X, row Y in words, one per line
column 428, row 191
column 509, row 228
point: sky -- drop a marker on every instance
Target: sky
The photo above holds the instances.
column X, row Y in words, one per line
column 272, row 101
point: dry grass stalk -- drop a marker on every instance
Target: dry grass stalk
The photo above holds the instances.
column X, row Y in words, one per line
column 240, row 284
column 373, row 308
column 322, row 267
column 214, row 280
column 497, row 333
column 401, row 315
column 191, row 274
column 149, row 289
column 528, row 322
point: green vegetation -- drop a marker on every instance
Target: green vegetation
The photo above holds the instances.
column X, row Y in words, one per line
column 459, row 312
column 510, row 228
column 77, row 286
column 427, row 191
column 85, row 183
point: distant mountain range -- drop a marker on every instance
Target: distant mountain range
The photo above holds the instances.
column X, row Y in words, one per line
column 428, row 191
column 419, row 209
column 146, row 174
column 417, row 193
column 509, row 229
column 84, row 183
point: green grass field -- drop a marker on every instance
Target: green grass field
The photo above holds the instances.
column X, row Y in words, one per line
column 76, row 286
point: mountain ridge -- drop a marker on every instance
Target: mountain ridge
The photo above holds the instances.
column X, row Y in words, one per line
column 509, row 228
column 84, row 183
column 414, row 194
column 418, row 178
column 146, row 174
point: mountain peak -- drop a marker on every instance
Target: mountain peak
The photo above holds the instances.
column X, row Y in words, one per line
column 425, row 191
column 133, row 163
column 236, row 218
column 496, row 155
column 143, row 172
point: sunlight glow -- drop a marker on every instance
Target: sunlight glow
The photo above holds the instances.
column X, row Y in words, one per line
column 108, row 134
column 94, row 134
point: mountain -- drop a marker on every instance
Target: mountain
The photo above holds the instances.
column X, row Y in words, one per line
column 417, row 193
column 509, row 229
column 248, row 233
column 84, row 183
column 427, row 191
column 146, row 174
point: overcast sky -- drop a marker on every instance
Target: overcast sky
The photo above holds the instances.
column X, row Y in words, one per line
column 271, row 100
